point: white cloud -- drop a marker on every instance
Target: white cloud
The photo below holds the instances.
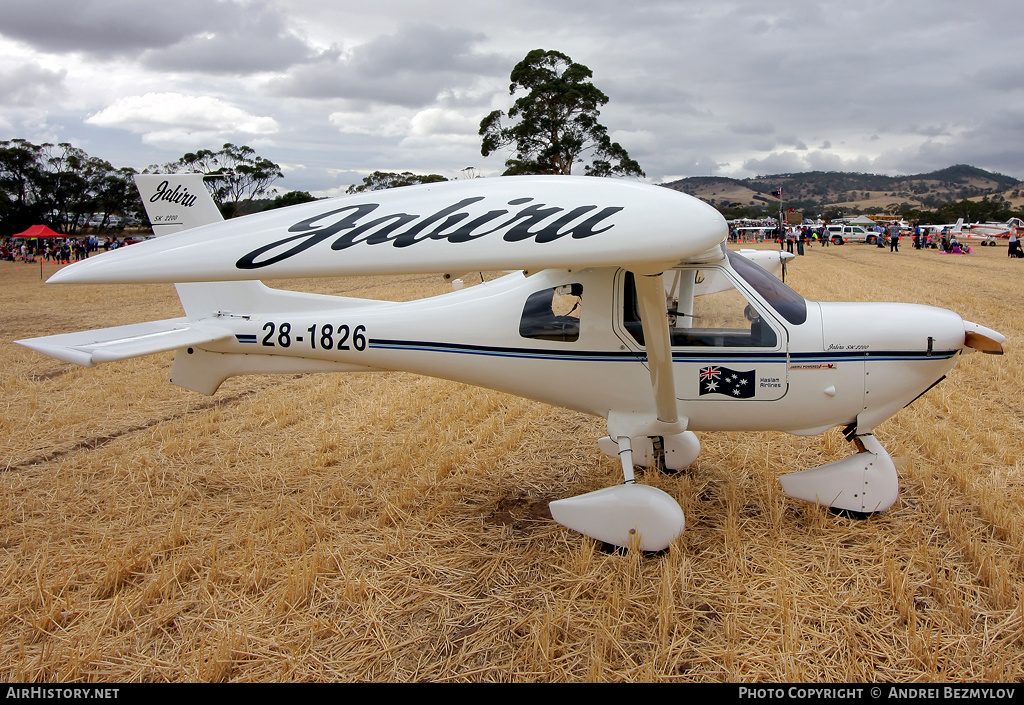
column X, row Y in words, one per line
column 392, row 123
column 437, row 121
column 379, row 123
column 636, row 141
column 174, row 118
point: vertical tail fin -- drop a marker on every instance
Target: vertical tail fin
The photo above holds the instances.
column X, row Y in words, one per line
column 176, row 202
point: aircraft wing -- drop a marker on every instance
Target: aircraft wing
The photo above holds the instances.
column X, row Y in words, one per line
column 503, row 223
column 90, row 347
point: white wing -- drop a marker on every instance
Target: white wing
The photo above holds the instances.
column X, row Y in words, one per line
column 528, row 223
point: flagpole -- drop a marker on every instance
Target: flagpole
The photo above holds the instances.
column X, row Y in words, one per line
column 782, row 228
column 780, row 209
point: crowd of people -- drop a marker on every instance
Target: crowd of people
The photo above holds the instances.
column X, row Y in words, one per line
column 795, row 238
column 57, row 250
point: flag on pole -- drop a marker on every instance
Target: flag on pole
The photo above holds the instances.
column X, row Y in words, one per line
column 777, row 193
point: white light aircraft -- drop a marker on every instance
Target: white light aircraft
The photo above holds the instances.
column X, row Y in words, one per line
column 997, row 229
column 624, row 303
column 983, row 233
column 965, row 234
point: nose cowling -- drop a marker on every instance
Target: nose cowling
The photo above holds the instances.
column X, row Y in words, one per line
column 907, row 348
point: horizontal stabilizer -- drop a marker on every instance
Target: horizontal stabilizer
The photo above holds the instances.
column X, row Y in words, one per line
column 90, row 347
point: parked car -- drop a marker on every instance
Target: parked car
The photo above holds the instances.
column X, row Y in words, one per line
column 840, row 234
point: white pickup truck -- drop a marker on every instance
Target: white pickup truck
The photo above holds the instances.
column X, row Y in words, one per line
column 840, row 234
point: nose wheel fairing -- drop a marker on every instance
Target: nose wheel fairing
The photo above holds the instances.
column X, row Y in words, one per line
column 865, row 483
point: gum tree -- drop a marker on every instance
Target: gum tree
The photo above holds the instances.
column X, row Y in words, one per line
column 234, row 174
column 554, row 124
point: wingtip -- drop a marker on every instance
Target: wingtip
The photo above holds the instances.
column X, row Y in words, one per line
column 59, row 352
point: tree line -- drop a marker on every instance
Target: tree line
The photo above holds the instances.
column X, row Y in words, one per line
column 988, row 209
column 60, row 186
column 65, row 188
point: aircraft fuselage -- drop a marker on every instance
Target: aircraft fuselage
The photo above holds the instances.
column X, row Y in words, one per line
column 837, row 366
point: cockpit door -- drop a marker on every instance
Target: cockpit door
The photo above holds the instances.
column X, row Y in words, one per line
column 727, row 345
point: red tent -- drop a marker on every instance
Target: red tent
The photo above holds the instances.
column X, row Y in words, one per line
column 37, row 231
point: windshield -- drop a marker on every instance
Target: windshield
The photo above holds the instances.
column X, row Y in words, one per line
column 789, row 304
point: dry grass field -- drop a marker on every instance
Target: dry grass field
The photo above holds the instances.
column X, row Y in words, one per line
column 388, row 527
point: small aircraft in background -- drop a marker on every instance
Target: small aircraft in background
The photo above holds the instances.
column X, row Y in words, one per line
column 966, row 236
column 961, row 232
column 984, row 234
column 624, row 303
column 997, row 229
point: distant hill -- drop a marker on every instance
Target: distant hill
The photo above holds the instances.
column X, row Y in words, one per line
column 821, row 189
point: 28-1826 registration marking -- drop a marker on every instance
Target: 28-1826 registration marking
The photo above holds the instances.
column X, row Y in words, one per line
column 324, row 336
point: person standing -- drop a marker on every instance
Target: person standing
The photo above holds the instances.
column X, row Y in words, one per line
column 894, row 237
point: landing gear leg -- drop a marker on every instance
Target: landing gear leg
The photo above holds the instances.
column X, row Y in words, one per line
column 669, row 454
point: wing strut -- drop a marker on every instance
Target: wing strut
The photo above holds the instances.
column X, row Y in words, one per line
column 665, row 421
column 650, row 293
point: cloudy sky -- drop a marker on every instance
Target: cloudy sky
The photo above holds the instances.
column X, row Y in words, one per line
column 332, row 90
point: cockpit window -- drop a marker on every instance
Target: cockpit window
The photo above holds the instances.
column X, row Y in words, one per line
column 705, row 310
column 553, row 314
column 789, row 304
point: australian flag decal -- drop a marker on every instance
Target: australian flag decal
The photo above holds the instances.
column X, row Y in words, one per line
column 721, row 380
